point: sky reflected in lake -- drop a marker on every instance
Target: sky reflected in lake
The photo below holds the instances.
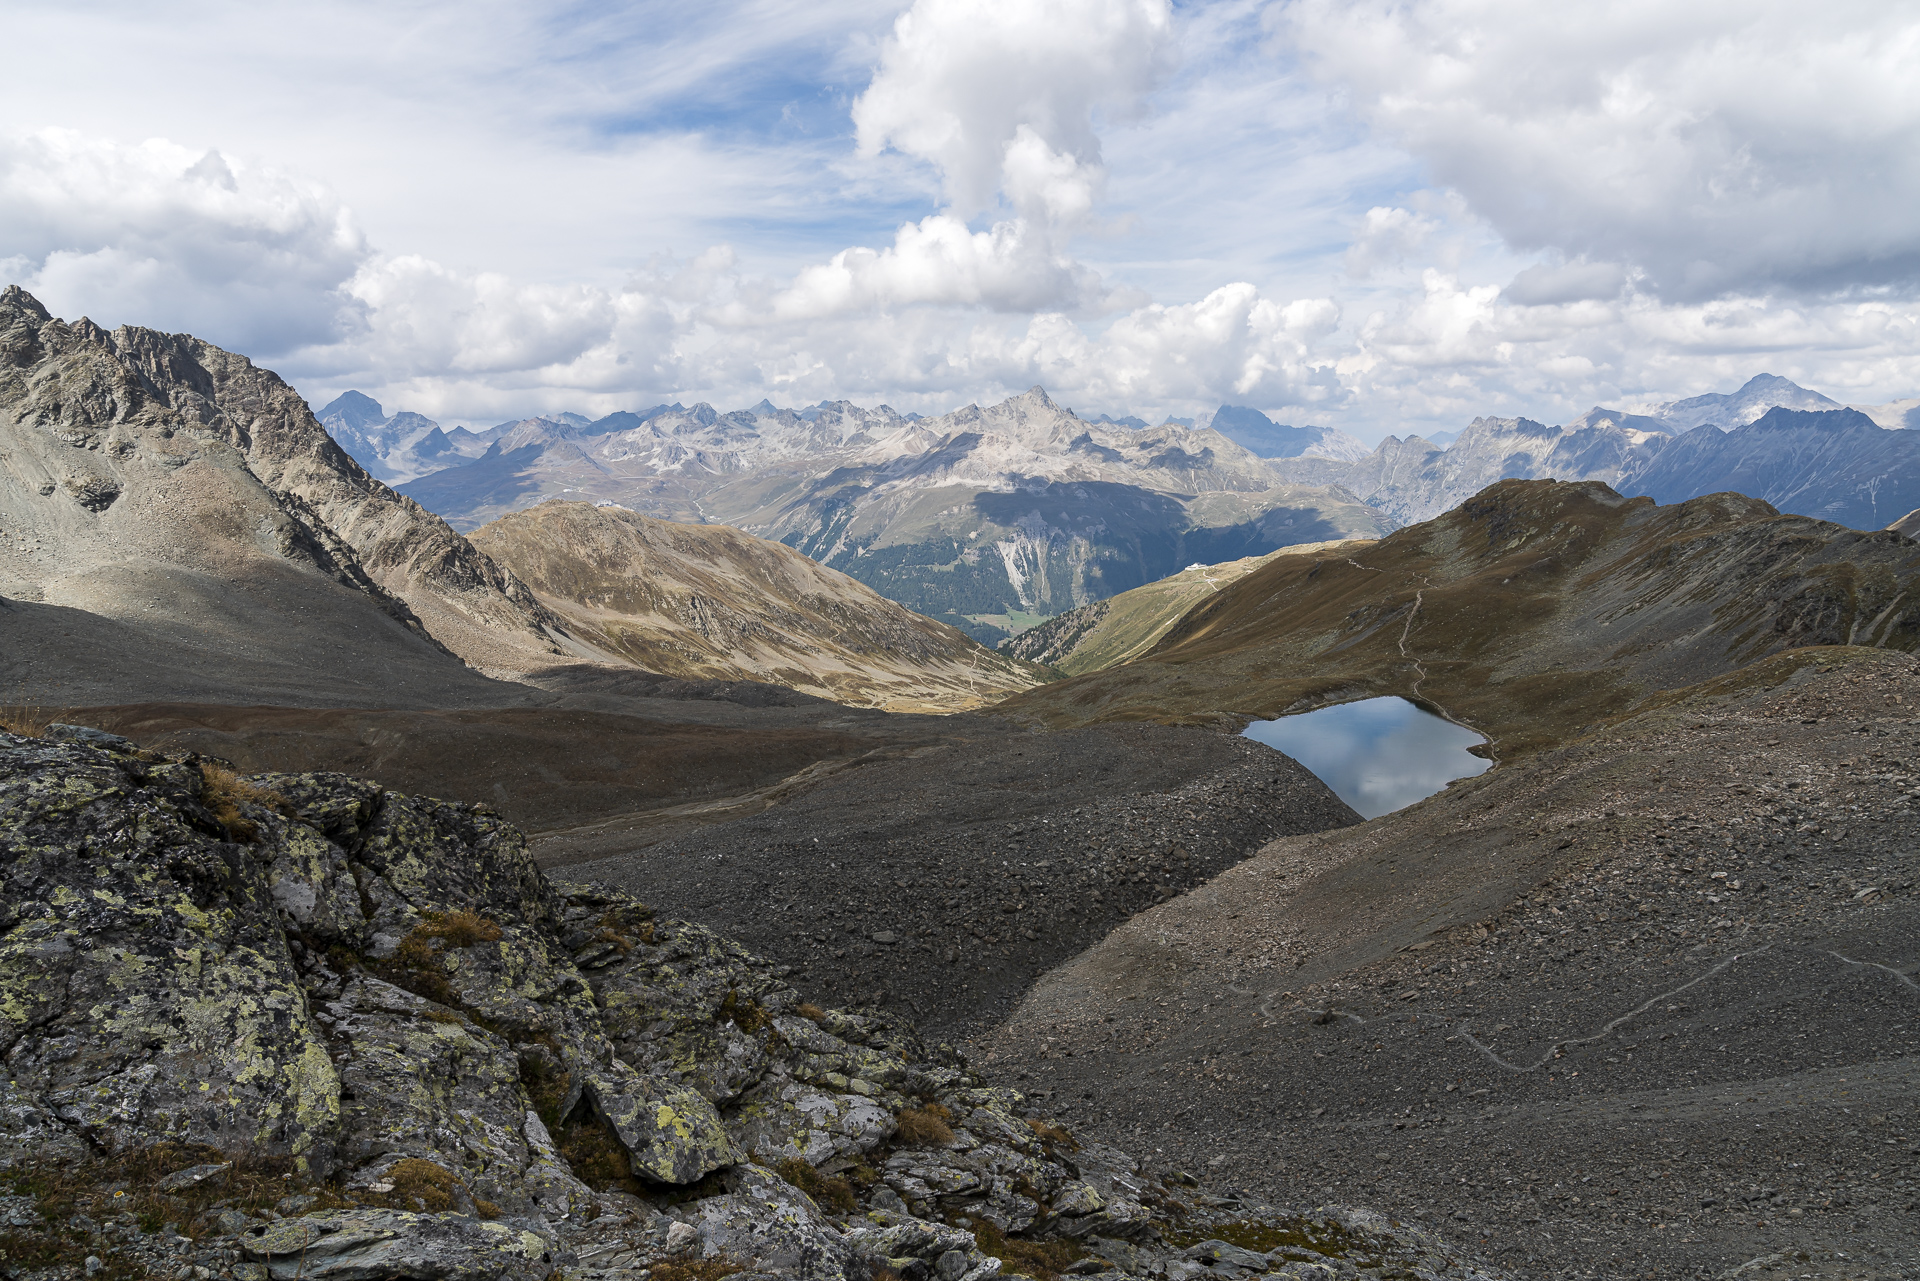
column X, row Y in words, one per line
column 1378, row 755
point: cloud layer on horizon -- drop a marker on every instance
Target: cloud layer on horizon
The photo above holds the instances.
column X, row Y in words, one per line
column 1457, row 223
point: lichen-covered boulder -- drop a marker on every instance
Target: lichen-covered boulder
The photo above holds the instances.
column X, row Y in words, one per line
column 773, row 1226
column 673, row 1135
column 786, row 1119
column 375, row 1245
column 147, row 991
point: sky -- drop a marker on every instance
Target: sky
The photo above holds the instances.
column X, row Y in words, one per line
column 1380, row 217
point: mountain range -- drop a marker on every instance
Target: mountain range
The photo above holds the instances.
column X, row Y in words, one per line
column 994, row 518
column 976, row 517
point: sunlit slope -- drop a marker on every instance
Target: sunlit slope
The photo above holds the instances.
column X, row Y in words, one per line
column 1532, row 611
column 1109, row 632
column 708, row 601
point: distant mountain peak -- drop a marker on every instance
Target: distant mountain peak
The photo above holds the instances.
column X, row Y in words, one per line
column 1756, row 396
column 355, row 408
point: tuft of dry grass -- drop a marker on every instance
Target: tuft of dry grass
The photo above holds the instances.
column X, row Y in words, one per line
column 1053, row 1135
column 417, row 1180
column 223, row 792
column 415, row 967
column 925, row 1127
column 693, row 1269
column 834, row 1193
column 128, row 1183
column 28, row 722
column 1041, row 1260
column 458, row 929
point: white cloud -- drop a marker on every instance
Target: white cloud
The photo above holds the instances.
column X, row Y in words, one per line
column 173, row 238
column 1147, row 209
column 1720, row 147
column 1002, row 100
column 1388, row 237
column 1002, row 97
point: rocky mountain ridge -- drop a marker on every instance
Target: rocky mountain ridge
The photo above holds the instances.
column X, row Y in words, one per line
column 1836, row 464
column 214, row 538
column 1112, row 631
column 158, row 457
column 1529, row 613
column 1024, row 508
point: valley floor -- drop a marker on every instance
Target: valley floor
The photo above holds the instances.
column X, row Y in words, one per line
column 1643, row 1006
column 944, row 879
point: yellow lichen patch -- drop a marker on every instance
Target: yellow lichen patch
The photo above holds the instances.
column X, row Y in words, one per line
column 315, row 1088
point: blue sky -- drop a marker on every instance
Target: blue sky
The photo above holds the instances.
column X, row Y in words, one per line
column 1379, row 216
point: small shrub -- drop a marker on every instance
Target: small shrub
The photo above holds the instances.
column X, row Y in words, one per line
column 926, row 1127
column 223, row 792
column 595, row 1153
column 835, row 1193
column 547, row 1081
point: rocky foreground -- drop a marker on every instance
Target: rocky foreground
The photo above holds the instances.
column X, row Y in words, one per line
column 297, row 1026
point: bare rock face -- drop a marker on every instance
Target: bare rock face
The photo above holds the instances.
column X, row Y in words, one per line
column 197, row 456
column 341, row 1032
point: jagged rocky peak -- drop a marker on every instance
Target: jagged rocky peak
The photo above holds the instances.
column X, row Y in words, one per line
column 166, row 425
column 345, row 1033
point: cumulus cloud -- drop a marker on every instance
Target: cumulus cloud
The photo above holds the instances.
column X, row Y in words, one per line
column 1003, row 97
column 169, row 237
column 1722, row 147
column 1013, row 266
column 1004, row 101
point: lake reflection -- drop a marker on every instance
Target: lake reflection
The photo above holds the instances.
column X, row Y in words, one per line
column 1377, row 755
